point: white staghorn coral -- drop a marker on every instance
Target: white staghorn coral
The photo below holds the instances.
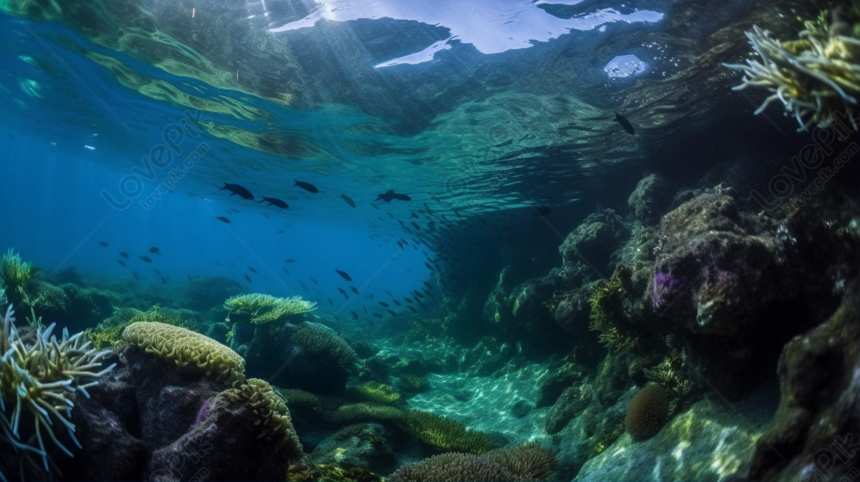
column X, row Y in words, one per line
column 42, row 378
column 817, row 78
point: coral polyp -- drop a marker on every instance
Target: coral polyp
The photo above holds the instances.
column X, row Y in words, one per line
column 41, row 378
column 817, row 78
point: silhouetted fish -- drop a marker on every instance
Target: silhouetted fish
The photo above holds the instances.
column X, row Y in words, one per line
column 624, row 123
column 365, row 310
column 285, row 270
column 428, row 266
column 251, row 269
column 396, row 302
column 313, row 280
column 145, row 259
column 330, row 301
column 307, row 186
column 291, row 260
column 348, row 200
column 237, row 190
column 135, row 274
column 390, row 195
column 104, row 243
column 123, row 254
column 164, row 280
column 222, row 219
column 412, row 215
column 157, row 272
column 343, row 274
column 392, row 313
column 248, row 278
column 383, row 304
column 354, row 289
column 121, row 262
column 413, row 309
column 154, row 250
column 377, row 315
column 303, row 286
column 275, row 202
column 354, row 314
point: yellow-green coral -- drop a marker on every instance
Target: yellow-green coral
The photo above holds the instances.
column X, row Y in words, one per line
column 41, row 376
column 529, row 462
column 109, row 332
column 817, row 77
column 273, row 416
column 446, row 433
column 189, row 350
column 609, row 335
column 15, row 273
column 412, row 383
column 375, row 392
column 263, row 308
column 668, row 374
column 316, row 339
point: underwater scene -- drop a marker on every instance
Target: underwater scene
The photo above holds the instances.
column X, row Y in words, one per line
column 458, row 240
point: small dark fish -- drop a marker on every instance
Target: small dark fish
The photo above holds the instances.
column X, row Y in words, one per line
column 374, row 205
column 354, row 289
column 163, row 280
column 281, row 232
column 218, row 263
column 104, row 243
column 303, row 286
column 412, row 215
column 413, row 309
column 422, row 304
column 123, row 254
column 154, row 250
column 307, row 186
column 237, row 190
column 371, row 297
column 390, row 195
column 248, row 278
column 392, row 313
column 234, row 210
column 428, row 285
column 251, row 269
column 336, row 317
column 190, row 278
column 388, row 292
column 330, row 301
column 354, row 314
column 400, row 244
column 285, row 270
column 392, row 217
column 365, row 310
column 383, row 304
column 275, row 202
column 542, row 210
column 222, row 219
column 341, row 290
column 313, row 280
column 624, row 123
column 145, row 259
column 121, row 262
column 417, row 295
column 407, row 300
column 157, row 272
column 396, row 302
column 348, row 200
column 135, row 274
column 428, row 266
column 343, row 274
column 416, row 226
column 291, row 260
column 377, row 315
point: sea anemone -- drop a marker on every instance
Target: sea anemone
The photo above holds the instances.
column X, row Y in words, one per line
column 817, row 78
column 647, row 412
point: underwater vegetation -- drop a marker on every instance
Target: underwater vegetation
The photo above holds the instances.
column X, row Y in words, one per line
column 816, row 77
column 40, row 380
column 262, row 308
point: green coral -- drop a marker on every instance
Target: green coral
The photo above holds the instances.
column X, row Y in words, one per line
column 263, row 308
column 41, row 377
column 413, row 383
column 15, row 274
column 273, row 417
column 669, row 374
column 316, row 339
column 816, row 77
column 109, row 332
column 375, row 392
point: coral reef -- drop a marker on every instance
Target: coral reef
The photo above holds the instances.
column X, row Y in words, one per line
column 412, row 383
column 817, row 77
column 261, row 308
column 189, row 350
column 272, row 416
column 647, row 412
column 529, row 461
column 651, row 199
column 357, row 446
column 39, row 378
column 109, row 332
column 374, row 392
column 451, row 467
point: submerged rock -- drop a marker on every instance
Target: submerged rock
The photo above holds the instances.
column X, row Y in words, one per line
column 651, row 199
column 361, row 445
column 816, row 435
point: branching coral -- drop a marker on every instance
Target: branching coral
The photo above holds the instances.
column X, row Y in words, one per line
column 265, row 308
column 189, row 350
column 817, row 78
column 15, row 273
column 453, row 466
column 42, row 377
column 446, row 433
column 375, row 392
column 668, row 374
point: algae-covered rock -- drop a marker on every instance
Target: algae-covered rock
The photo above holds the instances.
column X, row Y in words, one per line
column 651, row 199
column 360, row 445
column 708, row 441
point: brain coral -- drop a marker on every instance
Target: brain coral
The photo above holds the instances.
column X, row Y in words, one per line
column 647, row 412
column 273, row 416
column 191, row 351
column 453, row 467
